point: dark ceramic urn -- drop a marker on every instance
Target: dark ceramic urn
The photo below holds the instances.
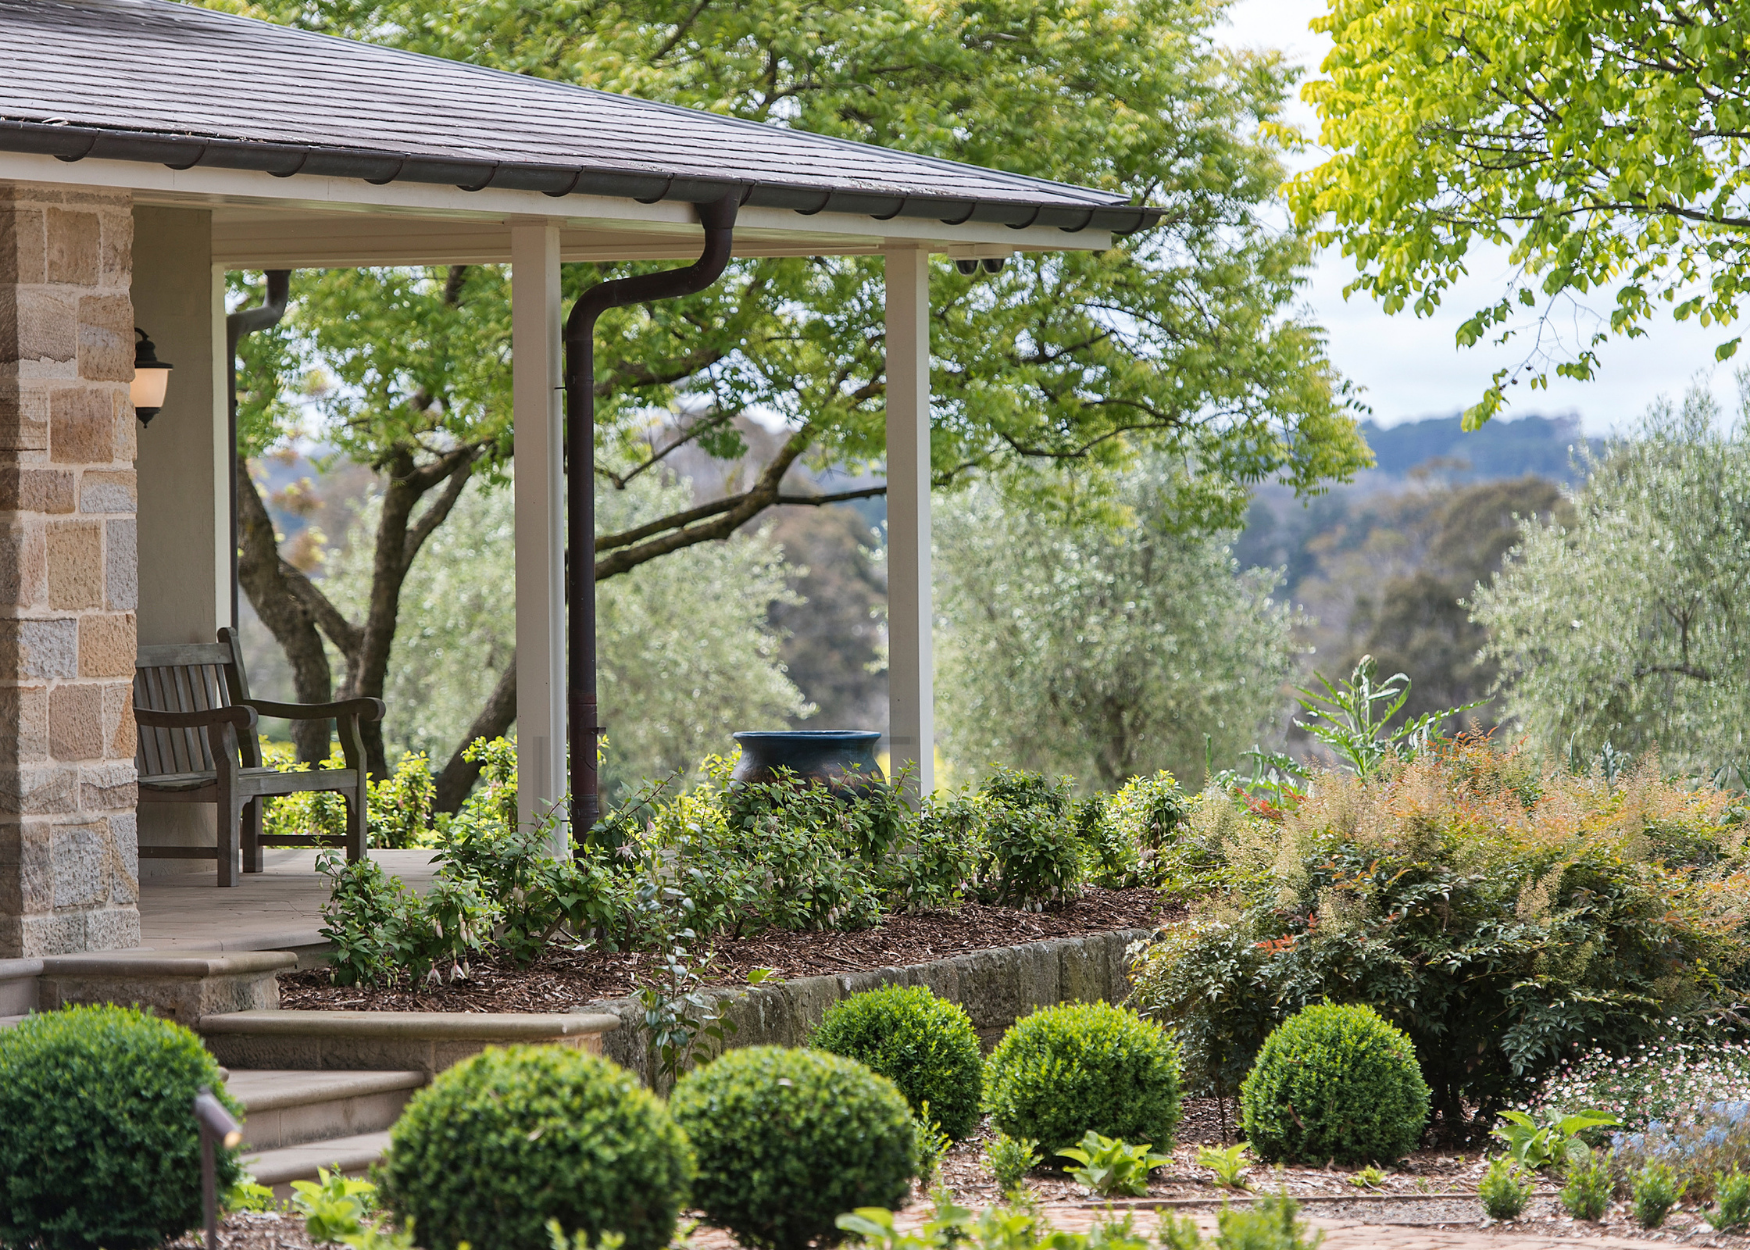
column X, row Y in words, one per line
column 843, row 759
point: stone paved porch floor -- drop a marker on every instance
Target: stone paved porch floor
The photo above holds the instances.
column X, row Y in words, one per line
column 277, row 909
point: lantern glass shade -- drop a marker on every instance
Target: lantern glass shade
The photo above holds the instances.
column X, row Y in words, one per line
column 149, row 386
column 151, row 378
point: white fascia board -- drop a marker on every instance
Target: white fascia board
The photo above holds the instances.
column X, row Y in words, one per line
column 645, row 231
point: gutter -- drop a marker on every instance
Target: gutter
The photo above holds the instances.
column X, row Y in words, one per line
column 238, row 326
column 76, row 143
column 582, row 714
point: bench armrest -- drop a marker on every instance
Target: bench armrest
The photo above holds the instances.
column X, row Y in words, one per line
column 363, row 708
column 151, row 718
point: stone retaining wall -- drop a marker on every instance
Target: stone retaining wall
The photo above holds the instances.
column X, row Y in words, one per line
column 996, row 987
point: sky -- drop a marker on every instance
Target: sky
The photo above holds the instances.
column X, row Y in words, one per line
column 1411, row 367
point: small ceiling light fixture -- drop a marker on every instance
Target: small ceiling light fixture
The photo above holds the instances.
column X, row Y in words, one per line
column 151, row 377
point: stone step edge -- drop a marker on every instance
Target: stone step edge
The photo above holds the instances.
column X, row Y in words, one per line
column 189, row 965
column 322, row 1085
column 458, row 1026
column 283, row 1165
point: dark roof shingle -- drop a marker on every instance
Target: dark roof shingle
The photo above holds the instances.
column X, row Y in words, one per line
column 161, row 81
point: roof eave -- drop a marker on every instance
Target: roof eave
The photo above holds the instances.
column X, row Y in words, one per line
column 76, row 143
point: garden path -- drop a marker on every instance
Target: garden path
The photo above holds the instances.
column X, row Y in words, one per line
column 1352, row 1234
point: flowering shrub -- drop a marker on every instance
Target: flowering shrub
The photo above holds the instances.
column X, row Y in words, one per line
column 1657, row 1080
column 1499, row 913
column 1710, row 1139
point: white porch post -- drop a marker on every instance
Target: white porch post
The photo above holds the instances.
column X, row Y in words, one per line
column 910, row 676
column 540, row 521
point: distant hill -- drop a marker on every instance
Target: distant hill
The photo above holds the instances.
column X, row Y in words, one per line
column 1501, row 449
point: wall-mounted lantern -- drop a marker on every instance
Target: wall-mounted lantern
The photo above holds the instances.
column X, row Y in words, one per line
column 151, row 377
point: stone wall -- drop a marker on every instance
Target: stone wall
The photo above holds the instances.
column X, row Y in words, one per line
column 996, row 987
column 68, row 572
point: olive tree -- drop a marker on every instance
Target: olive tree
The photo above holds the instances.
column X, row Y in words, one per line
column 1625, row 624
column 1102, row 641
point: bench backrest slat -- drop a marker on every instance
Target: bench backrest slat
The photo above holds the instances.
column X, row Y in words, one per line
column 185, row 677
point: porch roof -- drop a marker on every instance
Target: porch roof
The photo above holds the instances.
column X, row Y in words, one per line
column 163, row 82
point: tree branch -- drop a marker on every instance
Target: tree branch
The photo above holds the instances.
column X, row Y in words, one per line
column 440, row 507
column 494, row 721
column 743, row 508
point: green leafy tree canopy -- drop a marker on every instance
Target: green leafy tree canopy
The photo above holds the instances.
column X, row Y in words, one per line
column 1604, row 143
column 1180, row 340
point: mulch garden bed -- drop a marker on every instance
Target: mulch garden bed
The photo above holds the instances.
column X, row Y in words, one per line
column 563, row 979
column 1433, row 1189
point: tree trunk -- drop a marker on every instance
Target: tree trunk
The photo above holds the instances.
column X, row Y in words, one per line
column 264, row 578
column 494, row 721
column 399, row 538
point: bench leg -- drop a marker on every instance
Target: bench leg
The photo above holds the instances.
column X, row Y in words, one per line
column 357, row 815
column 252, row 835
column 230, row 817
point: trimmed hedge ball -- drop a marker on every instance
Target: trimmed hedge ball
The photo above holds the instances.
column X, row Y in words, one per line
column 789, row 1140
column 1065, row 1070
column 511, row 1138
column 1335, row 1083
column 923, row 1044
column 98, row 1141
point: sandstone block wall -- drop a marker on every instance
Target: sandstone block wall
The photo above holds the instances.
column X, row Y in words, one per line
column 69, row 582
column 996, row 987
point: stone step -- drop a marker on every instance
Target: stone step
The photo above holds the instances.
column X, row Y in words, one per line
column 277, row 1169
column 401, row 1041
column 186, row 987
column 294, row 1106
column 18, row 986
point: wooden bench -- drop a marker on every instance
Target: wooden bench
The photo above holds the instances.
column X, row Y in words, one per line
column 198, row 744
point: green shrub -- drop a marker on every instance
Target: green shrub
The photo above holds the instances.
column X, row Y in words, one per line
column 923, row 1044
column 98, row 1141
column 1063, row 1072
column 1109, row 858
column 1505, row 1189
column 400, row 807
column 379, row 931
column 1655, row 1189
column 1586, row 1189
column 946, row 847
column 1032, row 855
column 787, row 1140
column 1503, row 915
column 1010, row 1159
column 505, row 1141
column 1335, row 1083
column 1147, row 811
column 1731, row 1213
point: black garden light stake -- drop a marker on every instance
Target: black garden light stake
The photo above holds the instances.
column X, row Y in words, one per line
column 718, row 218
column 216, row 1125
